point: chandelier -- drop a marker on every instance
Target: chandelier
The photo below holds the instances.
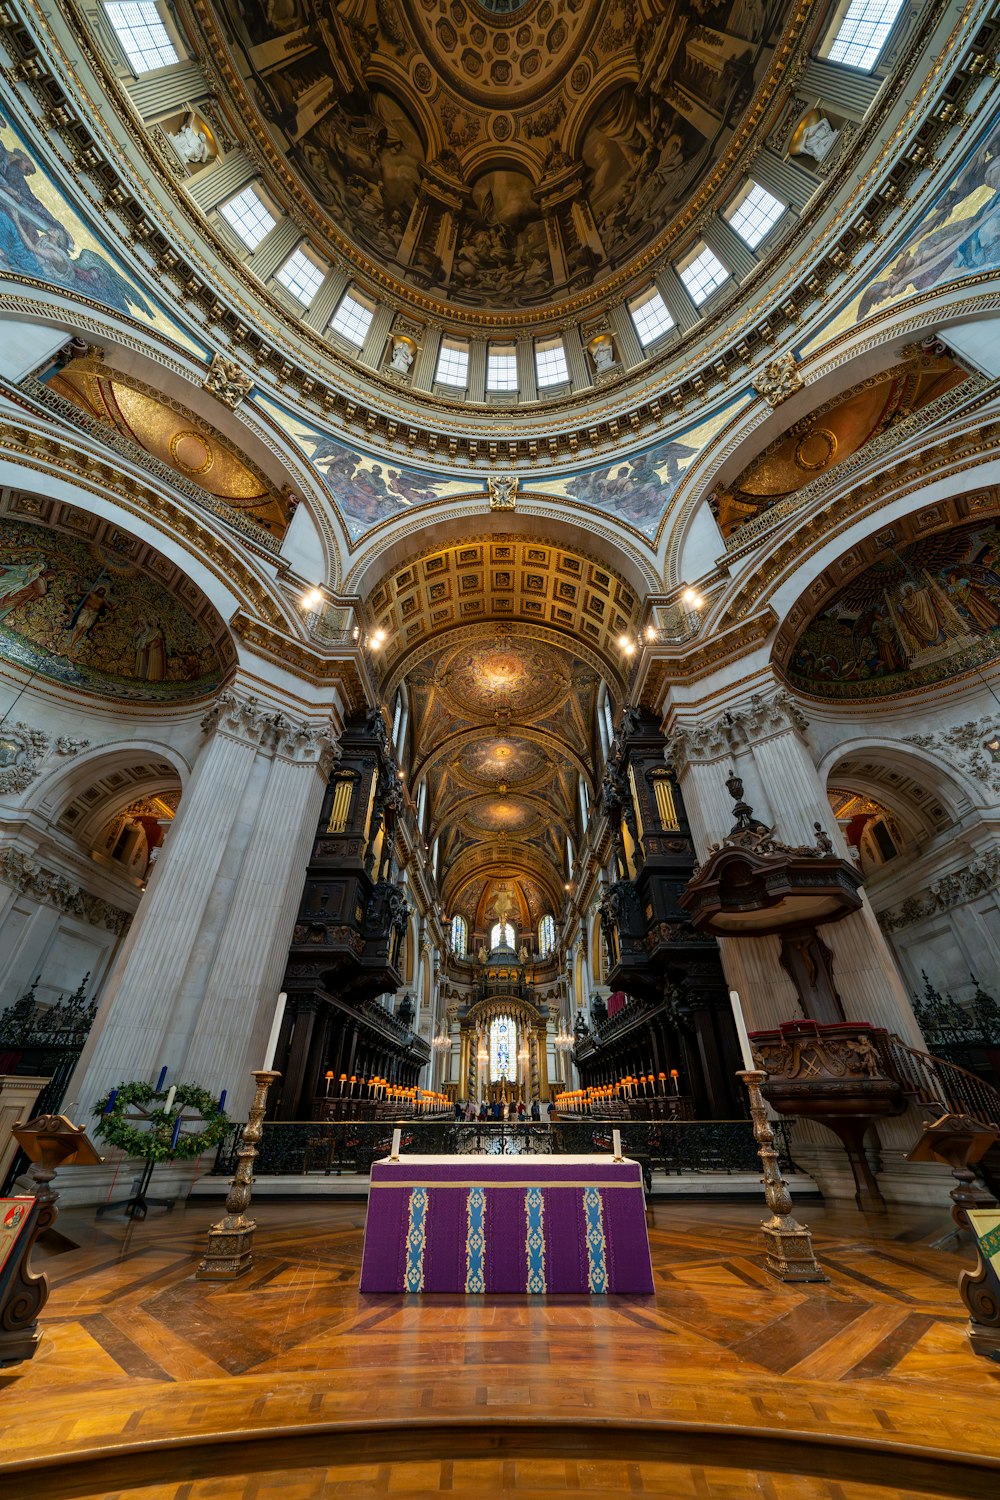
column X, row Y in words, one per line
column 442, row 1042
column 564, row 1038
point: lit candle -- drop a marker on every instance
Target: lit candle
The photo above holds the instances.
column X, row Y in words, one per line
column 741, row 1031
column 222, row 1102
column 111, row 1101
column 351, row 1089
column 329, row 1078
column 176, row 1134
column 343, row 1080
column 171, row 1092
column 676, row 1080
column 272, row 1041
column 161, row 1079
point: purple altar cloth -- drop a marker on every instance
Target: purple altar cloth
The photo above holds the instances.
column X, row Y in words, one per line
column 484, row 1224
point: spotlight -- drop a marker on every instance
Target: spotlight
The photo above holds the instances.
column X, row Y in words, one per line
column 692, row 599
column 624, row 642
column 312, row 600
column 651, row 632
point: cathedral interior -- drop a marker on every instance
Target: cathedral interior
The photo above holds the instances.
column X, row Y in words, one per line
column 500, row 662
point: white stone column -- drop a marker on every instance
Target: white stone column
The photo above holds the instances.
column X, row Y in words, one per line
column 216, row 905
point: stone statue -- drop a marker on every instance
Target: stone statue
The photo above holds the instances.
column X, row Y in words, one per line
column 817, row 138
column 402, row 356
column 190, row 143
column 602, row 352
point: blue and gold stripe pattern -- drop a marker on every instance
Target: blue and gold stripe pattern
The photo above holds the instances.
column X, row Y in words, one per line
column 416, row 1240
column 475, row 1241
column 534, row 1214
column 597, row 1270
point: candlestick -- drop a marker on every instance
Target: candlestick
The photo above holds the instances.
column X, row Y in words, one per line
column 746, row 1052
column 161, row 1079
column 176, row 1134
column 329, row 1078
column 171, row 1095
column 343, row 1080
column 397, row 1136
column 616, row 1143
column 272, row 1041
column 675, row 1079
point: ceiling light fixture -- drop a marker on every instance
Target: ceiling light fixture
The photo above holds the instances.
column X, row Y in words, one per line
column 312, row 599
column 693, row 599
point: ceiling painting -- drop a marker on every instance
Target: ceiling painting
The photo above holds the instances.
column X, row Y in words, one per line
column 498, row 156
column 506, row 677
column 832, row 433
column 959, row 236
column 175, row 436
column 922, row 613
column 43, row 239
column 89, row 606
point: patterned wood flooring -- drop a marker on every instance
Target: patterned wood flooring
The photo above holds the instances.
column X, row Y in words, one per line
column 150, row 1385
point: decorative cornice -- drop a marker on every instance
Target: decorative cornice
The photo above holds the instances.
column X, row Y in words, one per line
column 965, row 745
column 23, row 873
column 979, row 876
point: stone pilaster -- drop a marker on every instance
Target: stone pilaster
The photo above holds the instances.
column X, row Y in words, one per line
column 196, row 981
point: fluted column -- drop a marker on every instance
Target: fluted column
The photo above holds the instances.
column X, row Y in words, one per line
column 216, row 908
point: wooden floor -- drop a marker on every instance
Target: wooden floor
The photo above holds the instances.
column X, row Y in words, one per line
column 290, row 1385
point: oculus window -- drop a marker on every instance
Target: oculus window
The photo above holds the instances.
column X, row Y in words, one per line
column 702, row 273
column 754, row 214
column 501, row 367
column 301, row 276
column 650, row 317
column 453, row 363
column 550, row 362
column 860, row 32
column 546, row 935
column 141, row 33
column 459, row 937
column 352, row 319
column 249, row 217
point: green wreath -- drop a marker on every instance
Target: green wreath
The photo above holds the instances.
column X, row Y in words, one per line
column 152, row 1143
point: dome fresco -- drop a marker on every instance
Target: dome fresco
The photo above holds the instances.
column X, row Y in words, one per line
column 499, row 158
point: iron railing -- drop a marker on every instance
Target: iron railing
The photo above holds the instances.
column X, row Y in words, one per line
column 317, row 1148
column 937, row 1083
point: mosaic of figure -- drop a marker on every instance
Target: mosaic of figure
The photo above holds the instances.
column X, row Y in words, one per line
column 918, row 616
column 81, row 614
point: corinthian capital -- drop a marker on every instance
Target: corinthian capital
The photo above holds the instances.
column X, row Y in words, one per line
column 243, row 717
column 762, row 716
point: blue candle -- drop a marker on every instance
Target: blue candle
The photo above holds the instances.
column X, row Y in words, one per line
column 222, row 1101
column 111, row 1101
column 177, row 1131
column 159, row 1081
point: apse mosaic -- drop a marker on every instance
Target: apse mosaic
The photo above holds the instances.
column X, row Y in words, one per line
column 87, row 615
column 499, row 159
column 916, row 617
column 958, row 237
column 821, row 441
column 43, row 238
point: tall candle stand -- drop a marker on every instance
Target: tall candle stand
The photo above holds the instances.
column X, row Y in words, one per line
column 229, row 1252
column 788, row 1248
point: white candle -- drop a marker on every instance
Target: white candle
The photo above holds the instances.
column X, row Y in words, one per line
column 171, row 1091
column 616, row 1142
column 741, row 1031
column 272, row 1041
column 397, row 1136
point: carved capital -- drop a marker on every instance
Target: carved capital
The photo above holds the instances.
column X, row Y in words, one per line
column 760, row 718
column 24, row 873
column 245, row 718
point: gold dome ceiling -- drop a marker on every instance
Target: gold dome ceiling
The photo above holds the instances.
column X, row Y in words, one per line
column 492, row 154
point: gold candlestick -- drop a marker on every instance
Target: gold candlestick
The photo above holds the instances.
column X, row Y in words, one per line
column 229, row 1252
column 788, row 1249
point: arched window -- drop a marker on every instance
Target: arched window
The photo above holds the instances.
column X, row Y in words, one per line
column 459, row 936
column 546, row 935
column 503, row 1047
column 501, row 936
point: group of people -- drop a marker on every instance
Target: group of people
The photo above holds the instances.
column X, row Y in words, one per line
column 496, row 1110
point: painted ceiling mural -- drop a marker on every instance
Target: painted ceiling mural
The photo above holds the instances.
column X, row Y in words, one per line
column 958, row 237
column 105, row 614
column 826, row 437
column 499, row 156
column 636, row 490
column 44, row 239
column 176, row 436
column 922, row 614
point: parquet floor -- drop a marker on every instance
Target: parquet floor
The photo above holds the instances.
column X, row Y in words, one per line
column 290, row 1385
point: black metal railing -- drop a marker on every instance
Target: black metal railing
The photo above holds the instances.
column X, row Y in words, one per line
column 314, row 1148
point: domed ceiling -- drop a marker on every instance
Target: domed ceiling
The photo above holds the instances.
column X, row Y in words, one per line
column 502, row 728
column 498, row 155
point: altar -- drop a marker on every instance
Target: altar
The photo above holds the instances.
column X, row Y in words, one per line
column 564, row 1225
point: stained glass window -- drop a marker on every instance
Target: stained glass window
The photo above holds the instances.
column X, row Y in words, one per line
column 459, row 936
column 546, row 935
column 503, row 1049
